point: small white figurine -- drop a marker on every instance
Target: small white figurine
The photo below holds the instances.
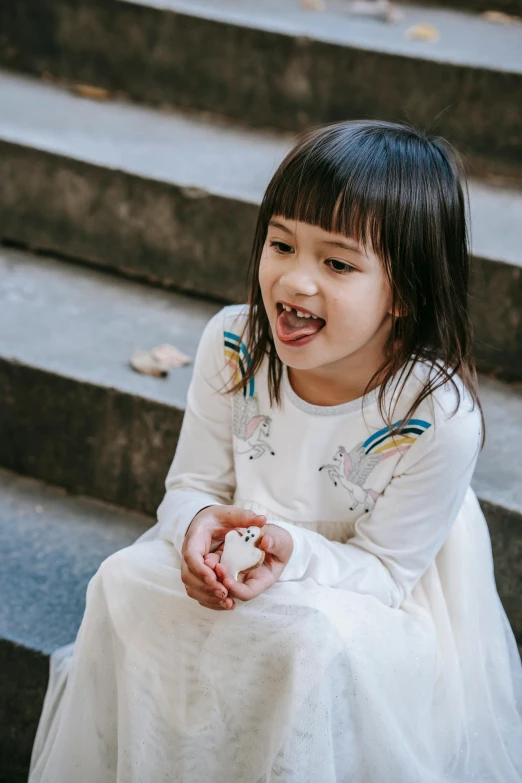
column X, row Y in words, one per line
column 241, row 551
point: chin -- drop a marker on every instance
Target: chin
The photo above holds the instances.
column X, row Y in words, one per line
column 296, row 358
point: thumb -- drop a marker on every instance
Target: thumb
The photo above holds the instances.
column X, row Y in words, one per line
column 277, row 542
column 268, row 544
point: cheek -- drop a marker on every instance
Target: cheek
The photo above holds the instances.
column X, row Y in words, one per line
column 362, row 300
column 266, row 274
column 345, row 307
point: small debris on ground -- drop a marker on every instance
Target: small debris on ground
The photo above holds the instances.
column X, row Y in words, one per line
column 423, row 32
column 313, row 5
column 380, row 9
column 159, row 360
column 92, row 92
column 499, row 17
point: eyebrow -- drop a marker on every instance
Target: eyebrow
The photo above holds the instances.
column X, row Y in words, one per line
column 348, row 245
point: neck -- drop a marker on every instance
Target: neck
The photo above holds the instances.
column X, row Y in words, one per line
column 318, row 387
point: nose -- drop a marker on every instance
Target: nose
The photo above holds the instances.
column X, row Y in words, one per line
column 299, row 280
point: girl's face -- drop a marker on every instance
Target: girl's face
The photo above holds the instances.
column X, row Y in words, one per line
column 332, row 277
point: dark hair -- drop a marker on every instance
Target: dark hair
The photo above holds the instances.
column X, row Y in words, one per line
column 404, row 193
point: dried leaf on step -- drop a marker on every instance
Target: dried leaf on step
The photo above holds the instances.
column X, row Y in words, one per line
column 158, row 361
column 92, row 92
column 313, row 5
column 169, row 356
column 499, row 17
column 423, row 32
column 144, row 362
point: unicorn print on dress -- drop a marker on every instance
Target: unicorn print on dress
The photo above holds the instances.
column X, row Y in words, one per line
column 249, row 425
column 351, row 469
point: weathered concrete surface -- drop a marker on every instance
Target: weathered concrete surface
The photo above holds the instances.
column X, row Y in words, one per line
column 506, row 6
column 505, row 527
column 146, row 229
column 275, row 64
column 173, row 199
column 90, row 439
column 496, row 311
column 73, row 412
column 23, row 680
column 51, row 545
column 498, row 473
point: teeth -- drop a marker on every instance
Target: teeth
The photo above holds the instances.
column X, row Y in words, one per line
column 299, row 313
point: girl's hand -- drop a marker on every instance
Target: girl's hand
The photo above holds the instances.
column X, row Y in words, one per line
column 278, row 545
column 206, row 532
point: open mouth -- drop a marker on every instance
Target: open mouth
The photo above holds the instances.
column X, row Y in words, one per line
column 297, row 329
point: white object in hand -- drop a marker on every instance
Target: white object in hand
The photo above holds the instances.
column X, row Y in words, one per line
column 241, row 552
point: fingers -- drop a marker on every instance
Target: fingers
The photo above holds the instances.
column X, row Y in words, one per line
column 195, row 545
column 206, row 597
column 209, row 602
column 194, row 583
column 250, row 588
column 212, row 560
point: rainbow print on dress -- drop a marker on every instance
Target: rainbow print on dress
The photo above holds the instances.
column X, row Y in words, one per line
column 238, row 359
column 386, row 445
column 351, row 469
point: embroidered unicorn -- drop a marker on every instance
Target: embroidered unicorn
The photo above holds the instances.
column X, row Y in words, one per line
column 251, row 426
column 350, row 470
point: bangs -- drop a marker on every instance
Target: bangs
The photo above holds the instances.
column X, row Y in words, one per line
column 337, row 182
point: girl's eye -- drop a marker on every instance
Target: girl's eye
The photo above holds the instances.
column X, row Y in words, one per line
column 281, row 247
column 347, row 269
column 284, row 249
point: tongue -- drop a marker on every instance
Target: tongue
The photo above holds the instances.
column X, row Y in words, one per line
column 293, row 326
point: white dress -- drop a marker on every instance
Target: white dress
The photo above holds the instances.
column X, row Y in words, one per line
column 382, row 654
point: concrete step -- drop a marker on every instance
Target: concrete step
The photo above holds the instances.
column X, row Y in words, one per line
column 76, row 415
column 267, row 63
column 51, row 545
column 172, row 199
column 510, row 7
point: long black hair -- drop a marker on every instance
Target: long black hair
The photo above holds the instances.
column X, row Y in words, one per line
column 404, row 193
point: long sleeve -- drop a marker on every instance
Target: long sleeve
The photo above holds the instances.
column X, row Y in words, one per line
column 396, row 541
column 202, row 471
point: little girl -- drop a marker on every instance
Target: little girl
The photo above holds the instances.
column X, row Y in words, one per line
column 337, row 410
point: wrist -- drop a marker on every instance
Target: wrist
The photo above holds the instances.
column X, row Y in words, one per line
column 197, row 518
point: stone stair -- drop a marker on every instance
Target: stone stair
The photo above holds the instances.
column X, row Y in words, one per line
column 268, row 63
column 51, row 544
column 128, row 222
column 164, row 196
